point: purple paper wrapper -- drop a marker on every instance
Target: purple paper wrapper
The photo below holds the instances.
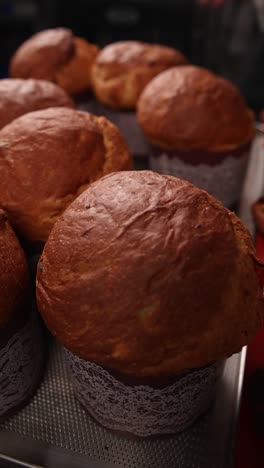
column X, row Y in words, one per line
column 221, row 175
column 140, row 409
column 21, row 364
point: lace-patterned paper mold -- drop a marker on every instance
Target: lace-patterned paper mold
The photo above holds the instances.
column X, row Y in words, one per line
column 21, row 361
column 224, row 180
column 142, row 410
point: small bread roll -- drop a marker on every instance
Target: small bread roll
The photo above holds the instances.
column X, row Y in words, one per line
column 191, row 109
column 122, row 70
column 56, row 55
column 19, row 96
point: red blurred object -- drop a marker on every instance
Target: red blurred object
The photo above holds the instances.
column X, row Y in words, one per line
column 250, row 441
column 260, row 247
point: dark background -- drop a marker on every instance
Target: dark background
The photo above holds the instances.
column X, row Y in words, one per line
column 227, row 39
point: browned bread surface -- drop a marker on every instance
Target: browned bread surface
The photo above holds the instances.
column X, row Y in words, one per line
column 189, row 108
column 122, row 70
column 148, row 275
column 19, row 96
column 47, row 158
column 55, row 55
column 14, row 279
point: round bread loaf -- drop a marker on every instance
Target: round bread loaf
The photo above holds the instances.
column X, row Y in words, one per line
column 147, row 275
column 189, row 108
column 18, row 96
column 14, row 278
column 122, row 70
column 55, row 55
column 47, row 158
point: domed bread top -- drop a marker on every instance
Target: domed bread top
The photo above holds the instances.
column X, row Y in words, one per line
column 148, row 275
column 14, row 279
column 189, row 108
column 55, row 55
column 18, row 96
column 47, row 158
column 42, row 54
column 122, row 70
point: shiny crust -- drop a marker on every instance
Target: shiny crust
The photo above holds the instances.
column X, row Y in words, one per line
column 122, row 70
column 14, row 279
column 189, row 108
column 47, row 158
column 148, row 275
column 18, row 96
column 43, row 54
column 55, row 55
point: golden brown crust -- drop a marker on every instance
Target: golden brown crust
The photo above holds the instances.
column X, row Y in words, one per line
column 189, row 108
column 122, row 70
column 42, row 54
column 49, row 157
column 148, row 275
column 14, row 279
column 19, row 96
column 55, row 55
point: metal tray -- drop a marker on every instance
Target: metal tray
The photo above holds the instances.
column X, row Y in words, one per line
column 54, row 431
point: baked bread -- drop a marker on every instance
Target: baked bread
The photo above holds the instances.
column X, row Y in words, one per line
column 18, row 96
column 14, row 278
column 147, row 275
column 47, row 158
column 189, row 108
column 55, row 55
column 122, row 70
